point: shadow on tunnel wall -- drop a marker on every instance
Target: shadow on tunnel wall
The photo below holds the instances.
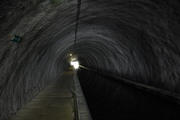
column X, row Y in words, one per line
column 109, row 100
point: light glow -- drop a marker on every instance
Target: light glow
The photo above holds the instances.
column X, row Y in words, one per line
column 75, row 64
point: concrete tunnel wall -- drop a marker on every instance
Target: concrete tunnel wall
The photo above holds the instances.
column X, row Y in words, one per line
column 138, row 40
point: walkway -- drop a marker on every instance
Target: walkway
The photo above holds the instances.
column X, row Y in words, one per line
column 53, row 103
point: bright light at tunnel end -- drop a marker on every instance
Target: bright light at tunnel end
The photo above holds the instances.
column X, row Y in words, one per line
column 75, row 64
column 73, row 61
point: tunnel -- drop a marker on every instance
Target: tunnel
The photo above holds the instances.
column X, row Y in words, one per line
column 120, row 45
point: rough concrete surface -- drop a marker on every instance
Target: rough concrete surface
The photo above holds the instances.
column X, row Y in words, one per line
column 136, row 39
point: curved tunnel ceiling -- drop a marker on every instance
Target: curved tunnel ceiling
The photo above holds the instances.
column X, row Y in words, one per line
column 138, row 40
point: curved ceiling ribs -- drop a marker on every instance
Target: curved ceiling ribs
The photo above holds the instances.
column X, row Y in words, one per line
column 138, row 40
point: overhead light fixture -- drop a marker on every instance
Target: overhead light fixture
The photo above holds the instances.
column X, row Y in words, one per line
column 75, row 64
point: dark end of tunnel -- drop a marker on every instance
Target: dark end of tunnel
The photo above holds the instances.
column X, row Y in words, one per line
column 108, row 99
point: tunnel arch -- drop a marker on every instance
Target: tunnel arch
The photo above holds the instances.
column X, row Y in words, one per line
column 138, row 40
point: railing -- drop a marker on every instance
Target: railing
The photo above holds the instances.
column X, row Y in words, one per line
column 76, row 116
column 76, row 112
column 79, row 96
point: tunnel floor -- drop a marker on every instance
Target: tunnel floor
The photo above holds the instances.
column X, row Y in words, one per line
column 54, row 103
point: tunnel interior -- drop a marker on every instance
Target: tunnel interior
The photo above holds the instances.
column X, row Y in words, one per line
column 134, row 39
